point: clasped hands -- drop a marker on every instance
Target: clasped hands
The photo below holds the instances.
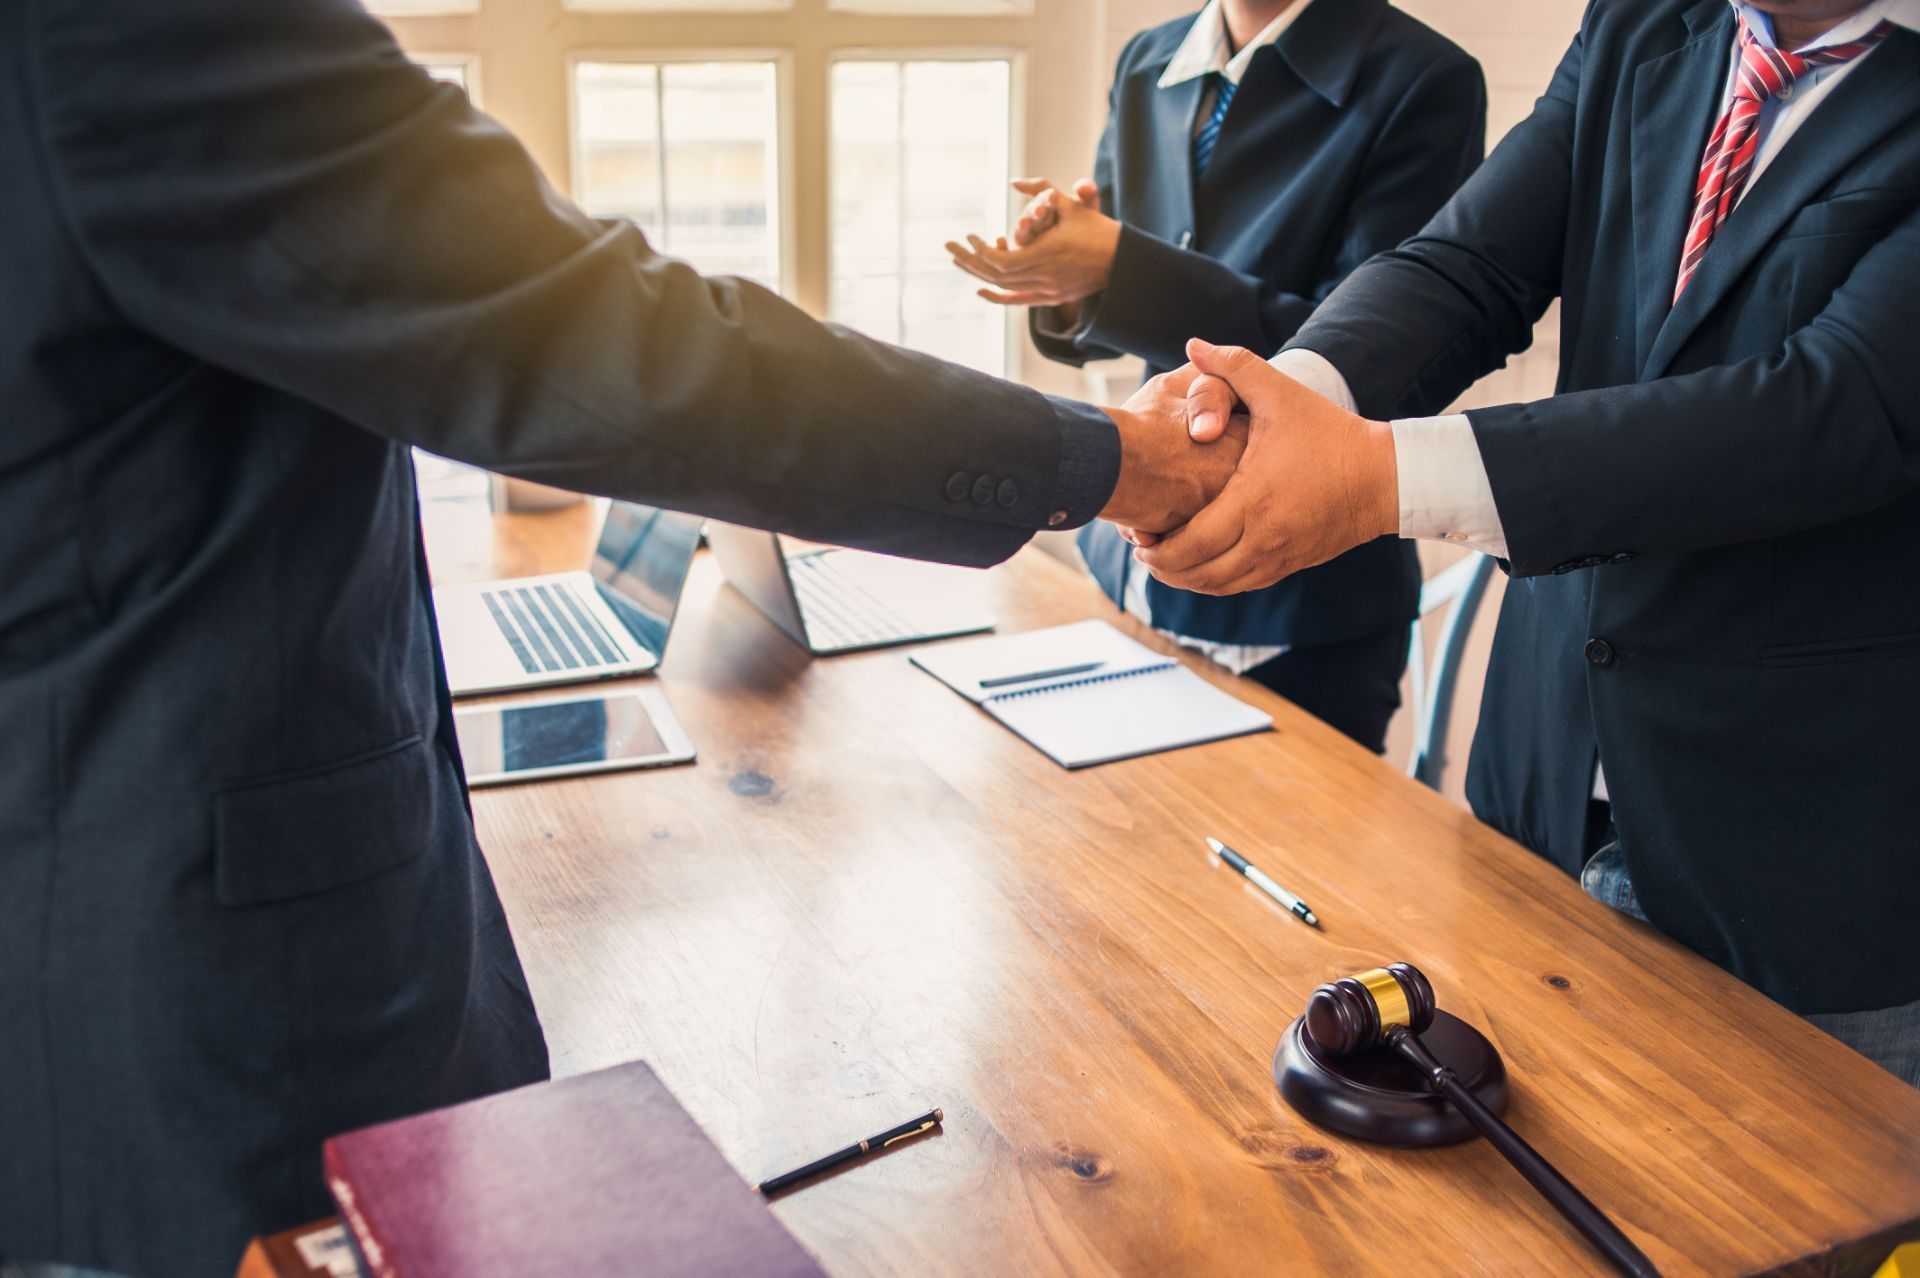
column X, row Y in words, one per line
column 1233, row 475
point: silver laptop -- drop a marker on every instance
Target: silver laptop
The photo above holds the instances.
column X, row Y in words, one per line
column 832, row 601
column 609, row 621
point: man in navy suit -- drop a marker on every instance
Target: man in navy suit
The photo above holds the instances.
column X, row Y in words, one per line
column 1254, row 155
column 250, row 255
column 1705, row 686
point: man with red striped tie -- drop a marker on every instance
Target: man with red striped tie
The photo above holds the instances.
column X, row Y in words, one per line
column 1704, row 697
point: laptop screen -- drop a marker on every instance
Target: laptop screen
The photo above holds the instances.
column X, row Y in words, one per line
column 642, row 563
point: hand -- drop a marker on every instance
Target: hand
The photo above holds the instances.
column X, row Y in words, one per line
column 1040, row 213
column 1314, row 480
column 1165, row 477
column 1066, row 256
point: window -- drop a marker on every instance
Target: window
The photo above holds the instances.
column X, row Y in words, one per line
column 688, row 151
column 827, row 148
column 919, row 157
column 452, row 68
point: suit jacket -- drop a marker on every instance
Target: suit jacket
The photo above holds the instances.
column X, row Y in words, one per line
column 1713, row 526
column 1345, row 136
column 251, row 254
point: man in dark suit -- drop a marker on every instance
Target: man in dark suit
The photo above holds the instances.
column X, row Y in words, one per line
column 1706, row 678
column 250, row 255
column 1255, row 153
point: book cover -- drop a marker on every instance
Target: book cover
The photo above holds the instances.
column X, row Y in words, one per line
column 599, row 1174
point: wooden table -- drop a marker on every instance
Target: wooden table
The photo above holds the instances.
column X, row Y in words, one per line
column 868, row 898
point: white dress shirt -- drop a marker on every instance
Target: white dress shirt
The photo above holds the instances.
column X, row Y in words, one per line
column 1444, row 491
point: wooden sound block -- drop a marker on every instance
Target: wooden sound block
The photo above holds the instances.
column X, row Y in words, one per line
column 1378, row 1095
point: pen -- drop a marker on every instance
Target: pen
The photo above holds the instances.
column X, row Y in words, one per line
column 1265, row 884
column 1001, row 681
column 912, row 1127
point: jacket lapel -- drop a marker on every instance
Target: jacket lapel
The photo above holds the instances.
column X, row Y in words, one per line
column 1173, row 110
column 1675, row 100
column 1876, row 98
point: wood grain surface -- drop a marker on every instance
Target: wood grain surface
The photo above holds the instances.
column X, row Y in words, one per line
column 868, row 898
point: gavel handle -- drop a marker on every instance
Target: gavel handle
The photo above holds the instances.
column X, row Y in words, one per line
column 1555, row 1188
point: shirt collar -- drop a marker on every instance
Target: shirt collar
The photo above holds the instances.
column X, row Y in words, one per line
column 1204, row 51
column 1902, row 13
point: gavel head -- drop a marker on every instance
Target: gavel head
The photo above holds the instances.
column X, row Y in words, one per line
column 1355, row 1012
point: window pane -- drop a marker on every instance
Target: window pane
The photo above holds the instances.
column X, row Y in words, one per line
column 919, row 156
column 450, row 73
column 687, row 151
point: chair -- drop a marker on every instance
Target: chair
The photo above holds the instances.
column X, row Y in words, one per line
column 1463, row 585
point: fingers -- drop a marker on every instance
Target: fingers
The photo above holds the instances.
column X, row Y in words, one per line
column 1000, row 297
column 1198, row 555
column 1210, row 403
column 993, row 263
column 1032, row 185
column 1226, row 362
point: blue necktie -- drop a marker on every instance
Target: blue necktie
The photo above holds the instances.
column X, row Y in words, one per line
column 1210, row 131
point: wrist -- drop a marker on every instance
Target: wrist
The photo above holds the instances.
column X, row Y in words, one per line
column 1382, row 470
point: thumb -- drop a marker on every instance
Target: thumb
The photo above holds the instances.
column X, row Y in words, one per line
column 1210, row 404
column 1238, row 367
column 1088, row 193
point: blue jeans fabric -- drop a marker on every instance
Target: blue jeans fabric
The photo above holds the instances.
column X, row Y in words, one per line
column 1887, row 1036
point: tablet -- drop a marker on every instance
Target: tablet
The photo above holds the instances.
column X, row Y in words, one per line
column 532, row 740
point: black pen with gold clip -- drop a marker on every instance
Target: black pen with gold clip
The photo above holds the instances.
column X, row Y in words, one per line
column 912, row 1127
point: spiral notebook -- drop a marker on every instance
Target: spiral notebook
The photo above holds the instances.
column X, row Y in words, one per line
column 1086, row 694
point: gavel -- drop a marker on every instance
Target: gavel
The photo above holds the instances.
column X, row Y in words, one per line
column 1390, row 1007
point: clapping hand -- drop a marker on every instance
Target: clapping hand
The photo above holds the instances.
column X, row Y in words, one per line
column 1060, row 254
column 1313, row 481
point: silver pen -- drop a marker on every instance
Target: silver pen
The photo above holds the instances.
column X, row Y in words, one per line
column 1265, row 884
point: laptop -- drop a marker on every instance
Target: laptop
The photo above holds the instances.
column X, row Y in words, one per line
column 831, row 601
column 609, row 621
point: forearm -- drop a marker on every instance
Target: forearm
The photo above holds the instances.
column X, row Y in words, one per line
column 1763, row 448
column 1160, row 295
column 359, row 238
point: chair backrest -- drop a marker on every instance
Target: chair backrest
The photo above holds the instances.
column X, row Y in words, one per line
column 1462, row 585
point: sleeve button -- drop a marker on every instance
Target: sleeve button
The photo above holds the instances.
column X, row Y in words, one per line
column 957, row 484
column 1009, row 494
column 983, row 491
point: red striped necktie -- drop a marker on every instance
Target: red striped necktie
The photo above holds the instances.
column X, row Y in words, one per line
column 1764, row 73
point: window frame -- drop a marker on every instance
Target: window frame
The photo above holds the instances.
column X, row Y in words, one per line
column 785, row 239
column 469, row 64
column 1013, row 319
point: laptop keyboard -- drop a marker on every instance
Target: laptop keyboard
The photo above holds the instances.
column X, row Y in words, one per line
column 549, row 629
column 841, row 613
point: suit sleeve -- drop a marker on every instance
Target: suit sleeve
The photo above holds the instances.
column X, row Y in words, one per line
column 1824, row 429
column 276, row 191
column 1058, row 341
column 1414, row 327
column 1160, row 294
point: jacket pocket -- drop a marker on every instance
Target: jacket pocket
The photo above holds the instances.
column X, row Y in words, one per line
column 1834, row 652
column 307, row 832
column 1853, row 212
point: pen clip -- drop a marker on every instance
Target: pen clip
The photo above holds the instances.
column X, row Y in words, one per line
column 924, row 1127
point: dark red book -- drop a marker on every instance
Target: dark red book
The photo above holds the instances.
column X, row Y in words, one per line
column 603, row 1173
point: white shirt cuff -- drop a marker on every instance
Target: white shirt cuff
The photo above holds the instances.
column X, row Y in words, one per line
column 1317, row 374
column 1444, row 492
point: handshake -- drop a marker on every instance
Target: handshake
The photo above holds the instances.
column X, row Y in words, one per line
column 1233, row 475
